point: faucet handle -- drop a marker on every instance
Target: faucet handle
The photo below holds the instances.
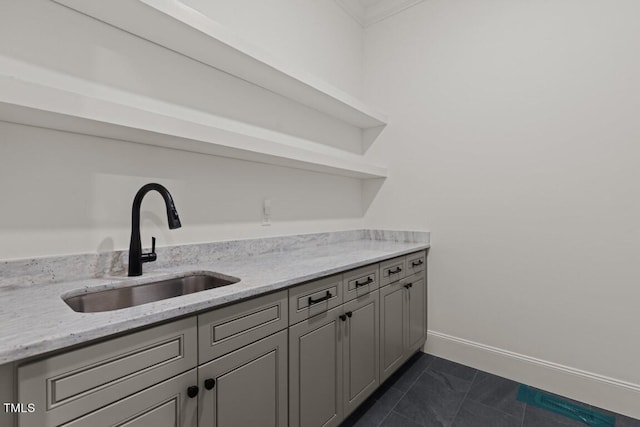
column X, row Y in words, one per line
column 150, row 256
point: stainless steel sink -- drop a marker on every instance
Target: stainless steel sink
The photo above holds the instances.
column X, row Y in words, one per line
column 129, row 296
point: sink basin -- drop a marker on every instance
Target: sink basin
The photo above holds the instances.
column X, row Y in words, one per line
column 129, row 296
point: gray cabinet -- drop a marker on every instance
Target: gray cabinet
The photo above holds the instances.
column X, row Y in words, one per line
column 392, row 328
column 360, row 281
column 416, row 311
column 73, row 384
column 315, row 370
column 334, row 362
column 142, row 379
column 229, row 328
column 247, row 387
column 403, row 321
column 163, row 405
column 392, row 270
column 416, row 263
column 346, row 334
column 314, row 298
column 360, row 350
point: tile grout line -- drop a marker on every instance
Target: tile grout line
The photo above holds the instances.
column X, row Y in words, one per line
column 405, row 393
column 487, row 405
column 477, row 402
column 524, row 412
column 400, row 415
column 464, row 398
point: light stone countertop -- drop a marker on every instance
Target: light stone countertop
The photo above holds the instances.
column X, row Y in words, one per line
column 34, row 320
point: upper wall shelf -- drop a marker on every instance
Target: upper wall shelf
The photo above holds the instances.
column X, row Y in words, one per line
column 176, row 26
column 39, row 97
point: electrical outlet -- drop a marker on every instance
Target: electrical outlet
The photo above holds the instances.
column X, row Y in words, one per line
column 266, row 212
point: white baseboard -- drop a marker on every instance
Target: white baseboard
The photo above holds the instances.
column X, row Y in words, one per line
column 598, row 390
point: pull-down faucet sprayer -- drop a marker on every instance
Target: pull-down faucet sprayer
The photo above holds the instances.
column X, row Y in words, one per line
column 136, row 257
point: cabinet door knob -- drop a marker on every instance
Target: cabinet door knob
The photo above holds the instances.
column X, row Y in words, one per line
column 192, row 391
column 349, row 313
column 209, row 383
column 343, row 317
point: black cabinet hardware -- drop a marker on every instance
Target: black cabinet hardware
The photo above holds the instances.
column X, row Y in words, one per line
column 193, row 391
column 417, row 263
column 349, row 314
column 397, row 270
column 366, row 282
column 408, row 285
column 343, row 317
column 324, row 298
column 209, row 383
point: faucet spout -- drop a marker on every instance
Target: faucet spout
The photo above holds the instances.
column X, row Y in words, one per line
column 136, row 257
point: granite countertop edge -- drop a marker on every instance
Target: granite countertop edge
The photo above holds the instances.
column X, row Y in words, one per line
column 45, row 323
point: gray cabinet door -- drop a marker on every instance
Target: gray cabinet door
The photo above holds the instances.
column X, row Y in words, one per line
column 416, row 312
column 361, row 350
column 249, row 388
column 163, row 405
column 315, row 371
column 392, row 328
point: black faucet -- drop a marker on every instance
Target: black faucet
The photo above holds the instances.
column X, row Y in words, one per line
column 136, row 257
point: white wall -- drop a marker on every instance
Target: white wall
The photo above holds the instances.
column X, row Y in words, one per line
column 316, row 35
column 513, row 138
column 63, row 193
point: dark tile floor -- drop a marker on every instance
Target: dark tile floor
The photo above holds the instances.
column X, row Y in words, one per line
column 433, row 392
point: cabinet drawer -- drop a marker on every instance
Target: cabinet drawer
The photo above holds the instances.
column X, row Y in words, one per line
column 227, row 329
column 71, row 384
column 416, row 262
column 360, row 281
column 392, row 270
column 163, row 405
column 314, row 298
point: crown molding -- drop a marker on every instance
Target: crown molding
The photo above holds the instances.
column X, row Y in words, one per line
column 367, row 13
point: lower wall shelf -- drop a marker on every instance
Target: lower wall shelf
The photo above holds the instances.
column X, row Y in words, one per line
column 37, row 97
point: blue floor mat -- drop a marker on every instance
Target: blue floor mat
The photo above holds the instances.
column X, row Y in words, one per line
column 563, row 407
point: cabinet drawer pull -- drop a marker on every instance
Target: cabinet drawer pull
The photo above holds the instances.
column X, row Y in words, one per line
column 417, row 263
column 349, row 314
column 408, row 285
column 397, row 270
column 366, row 282
column 343, row 317
column 209, row 383
column 192, row 391
column 324, row 298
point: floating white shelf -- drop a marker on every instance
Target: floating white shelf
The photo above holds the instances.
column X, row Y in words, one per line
column 44, row 98
column 176, row 26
